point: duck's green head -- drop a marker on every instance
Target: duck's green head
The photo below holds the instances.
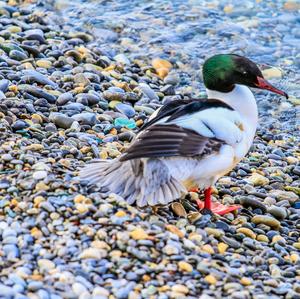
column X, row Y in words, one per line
column 221, row 73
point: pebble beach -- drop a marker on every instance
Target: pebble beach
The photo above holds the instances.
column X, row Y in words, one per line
column 77, row 81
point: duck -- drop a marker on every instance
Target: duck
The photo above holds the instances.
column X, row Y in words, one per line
column 189, row 143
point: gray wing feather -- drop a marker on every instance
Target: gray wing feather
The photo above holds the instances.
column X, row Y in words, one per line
column 163, row 140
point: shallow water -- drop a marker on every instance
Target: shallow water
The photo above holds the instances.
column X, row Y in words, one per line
column 189, row 27
column 187, row 32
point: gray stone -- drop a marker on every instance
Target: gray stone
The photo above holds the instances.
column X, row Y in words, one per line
column 17, row 55
column 4, row 83
column 33, row 76
column 61, row 120
column 278, row 212
column 86, row 118
column 74, row 106
column 6, row 291
column 35, row 34
column 125, row 109
column 38, row 92
column 121, row 58
column 64, row 98
column 148, row 91
column 250, row 201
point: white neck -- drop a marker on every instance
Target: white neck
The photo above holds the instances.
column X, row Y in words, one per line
column 240, row 99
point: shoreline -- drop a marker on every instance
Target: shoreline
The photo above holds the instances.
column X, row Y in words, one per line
column 65, row 100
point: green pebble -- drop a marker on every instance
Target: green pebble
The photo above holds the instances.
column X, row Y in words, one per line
column 24, row 133
column 124, row 122
column 7, row 47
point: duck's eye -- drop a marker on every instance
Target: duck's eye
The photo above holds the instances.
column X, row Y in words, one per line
column 245, row 73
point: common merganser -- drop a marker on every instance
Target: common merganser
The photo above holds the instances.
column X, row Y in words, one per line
column 189, row 143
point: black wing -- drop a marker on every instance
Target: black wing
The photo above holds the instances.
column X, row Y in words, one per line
column 178, row 108
column 170, row 140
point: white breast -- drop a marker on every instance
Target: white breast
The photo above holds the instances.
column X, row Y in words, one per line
column 237, row 128
column 242, row 100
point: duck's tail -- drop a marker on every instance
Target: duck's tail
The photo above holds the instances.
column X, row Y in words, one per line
column 144, row 181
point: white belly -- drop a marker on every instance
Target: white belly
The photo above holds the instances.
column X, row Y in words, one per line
column 205, row 172
column 202, row 173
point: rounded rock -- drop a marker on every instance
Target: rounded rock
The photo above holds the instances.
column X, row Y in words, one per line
column 267, row 220
column 278, row 212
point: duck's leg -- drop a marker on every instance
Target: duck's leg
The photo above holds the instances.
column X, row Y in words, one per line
column 206, row 206
column 214, row 207
column 207, row 198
